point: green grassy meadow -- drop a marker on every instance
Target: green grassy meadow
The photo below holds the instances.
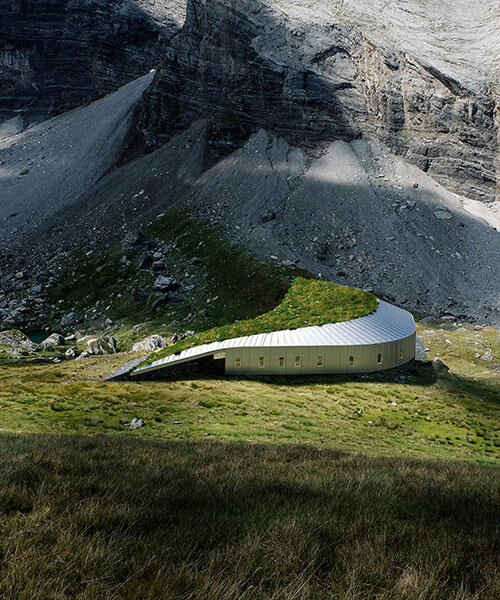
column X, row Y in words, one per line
column 452, row 415
column 101, row 518
column 358, row 488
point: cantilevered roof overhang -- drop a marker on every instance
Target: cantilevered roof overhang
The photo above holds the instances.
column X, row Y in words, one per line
column 388, row 323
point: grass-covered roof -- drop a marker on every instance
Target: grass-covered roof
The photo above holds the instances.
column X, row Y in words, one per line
column 308, row 302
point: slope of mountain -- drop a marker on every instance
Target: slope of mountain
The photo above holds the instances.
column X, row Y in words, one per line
column 358, row 140
column 56, row 55
column 52, row 164
column 422, row 79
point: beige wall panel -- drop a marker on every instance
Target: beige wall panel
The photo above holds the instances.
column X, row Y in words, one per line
column 336, row 358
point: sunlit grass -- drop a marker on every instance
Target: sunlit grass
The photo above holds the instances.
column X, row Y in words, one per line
column 308, row 302
column 453, row 416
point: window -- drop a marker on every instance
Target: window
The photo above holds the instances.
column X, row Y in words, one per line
column 379, row 358
column 297, row 361
column 261, row 362
column 237, row 362
column 281, row 361
column 320, row 362
column 351, row 360
column 401, row 353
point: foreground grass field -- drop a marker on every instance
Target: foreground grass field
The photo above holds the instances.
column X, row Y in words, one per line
column 378, row 487
column 101, row 518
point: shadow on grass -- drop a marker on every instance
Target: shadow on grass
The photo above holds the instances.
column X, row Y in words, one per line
column 206, row 517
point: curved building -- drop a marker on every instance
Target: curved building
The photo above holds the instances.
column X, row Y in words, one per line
column 382, row 340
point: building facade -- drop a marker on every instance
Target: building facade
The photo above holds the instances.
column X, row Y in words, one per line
column 382, row 340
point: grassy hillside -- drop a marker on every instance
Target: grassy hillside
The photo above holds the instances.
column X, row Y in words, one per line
column 307, row 302
column 101, row 518
column 348, row 488
column 226, row 281
column 455, row 415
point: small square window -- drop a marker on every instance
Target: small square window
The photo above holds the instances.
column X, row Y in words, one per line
column 379, row 358
column 237, row 362
column 297, row 361
column 261, row 362
column 281, row 361
column 401, row 354
column 321, row 362
column 351, row 360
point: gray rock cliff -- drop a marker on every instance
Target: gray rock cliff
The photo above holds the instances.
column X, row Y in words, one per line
column 58, row 54
column 314, row 74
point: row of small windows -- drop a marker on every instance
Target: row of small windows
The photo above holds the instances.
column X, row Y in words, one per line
column 320, row 362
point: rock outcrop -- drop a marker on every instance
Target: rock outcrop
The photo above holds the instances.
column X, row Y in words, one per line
column 149, row 344
column 56, row 55
column 306, row 72
column 17, row 342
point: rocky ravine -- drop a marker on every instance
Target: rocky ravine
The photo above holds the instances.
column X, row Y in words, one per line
column 56, row 55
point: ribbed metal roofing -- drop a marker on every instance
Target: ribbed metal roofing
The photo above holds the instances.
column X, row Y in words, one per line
column 387, row 324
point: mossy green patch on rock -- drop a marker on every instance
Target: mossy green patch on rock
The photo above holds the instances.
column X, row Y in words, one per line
column 308, row 302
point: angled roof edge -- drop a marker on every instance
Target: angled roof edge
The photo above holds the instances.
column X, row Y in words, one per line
column 388, row 323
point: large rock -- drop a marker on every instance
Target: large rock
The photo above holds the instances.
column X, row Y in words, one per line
column 71, row 319
column 166, row 284
column 54, row 339
column 71, row 352
column 18, row 341
column 102, row 345
column 149, row 344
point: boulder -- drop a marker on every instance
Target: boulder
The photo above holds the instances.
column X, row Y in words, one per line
column 84, row 354
column 159, row 265
column 71, row 319
column 443, row 215
column 102, row 345
column 54, row 339
column 439, row 366
column 268, row 216
column 166, row 284
column 71, row 352
column 146, row 261
column 135, row 424
column 47, row 346
column 17, row 340
column 149, row 344
column 139, row 294
column 487, row 356
column 136, row 241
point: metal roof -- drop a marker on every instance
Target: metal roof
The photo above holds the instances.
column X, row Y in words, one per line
column 387, row 324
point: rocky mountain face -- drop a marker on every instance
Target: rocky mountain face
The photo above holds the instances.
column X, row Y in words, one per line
column 313, row 74
column 59, row 54
column 357, row 140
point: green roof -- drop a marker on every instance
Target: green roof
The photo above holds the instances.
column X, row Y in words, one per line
column 308, row 302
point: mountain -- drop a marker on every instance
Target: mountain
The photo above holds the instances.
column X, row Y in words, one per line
column 422, row 80
column 358, row 140
column 56, row 55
